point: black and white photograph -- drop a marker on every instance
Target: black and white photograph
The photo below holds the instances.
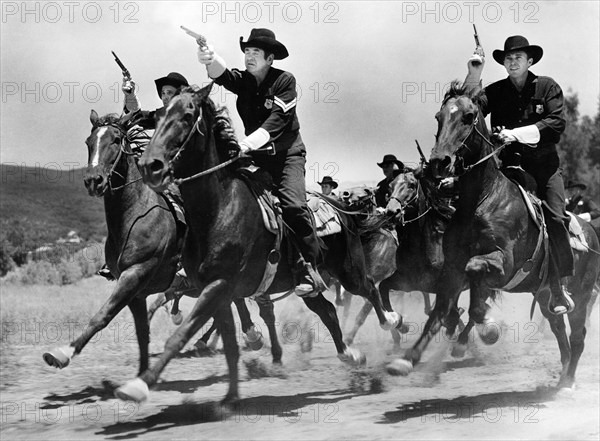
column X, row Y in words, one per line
column 260, row 220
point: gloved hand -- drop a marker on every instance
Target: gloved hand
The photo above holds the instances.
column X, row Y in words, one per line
column 476, row 62
column 128, row 86
column 206, row 55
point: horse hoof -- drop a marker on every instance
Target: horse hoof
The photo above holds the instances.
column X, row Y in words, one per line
column 254, row 339
column 177, row 319
column 59, row 357
column 489, row 331
column 353, row 357
column 565, row 392
column 399, row 366
column 134, row 390
column 392, row 319
column 459, row 350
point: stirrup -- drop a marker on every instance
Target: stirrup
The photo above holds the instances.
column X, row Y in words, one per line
column 105, row 272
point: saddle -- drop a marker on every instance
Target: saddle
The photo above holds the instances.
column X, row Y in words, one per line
column 536, row 212
column 326, row 219
column 260, row 184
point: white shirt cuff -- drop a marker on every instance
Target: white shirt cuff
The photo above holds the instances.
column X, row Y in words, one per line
column 256, row 139
column 527, row 135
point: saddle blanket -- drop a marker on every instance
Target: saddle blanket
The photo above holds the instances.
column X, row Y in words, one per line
column 327, row 220
column 577, row 239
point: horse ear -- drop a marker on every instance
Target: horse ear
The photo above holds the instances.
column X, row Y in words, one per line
column 205, row 91
column 94, row 118
column 369, row 191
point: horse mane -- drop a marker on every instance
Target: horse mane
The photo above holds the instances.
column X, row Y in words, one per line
column 459, row 89
column 220, row 122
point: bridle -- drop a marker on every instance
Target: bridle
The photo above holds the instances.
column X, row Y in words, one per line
column 414, row 198
column 195, row 129
column 473, row 130
column 122, row 153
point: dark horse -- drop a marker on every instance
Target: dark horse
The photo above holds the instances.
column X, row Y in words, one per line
column 144, row 240
column 227, row 246
column 400, row 261
column 491, row 236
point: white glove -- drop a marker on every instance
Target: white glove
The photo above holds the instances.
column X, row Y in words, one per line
column 585, row 216
column 206, row 55
column 215, row 65
column 132, row 103
column 255, row 140
column 528, row 135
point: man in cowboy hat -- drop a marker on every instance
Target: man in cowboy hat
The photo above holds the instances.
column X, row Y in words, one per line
column 579, row 204
column 266, row 103
column 328, row 185
column 528, row 112
column 167, row 87
column 391, row 168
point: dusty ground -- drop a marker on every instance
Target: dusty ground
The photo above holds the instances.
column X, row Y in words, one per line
column 496, row 392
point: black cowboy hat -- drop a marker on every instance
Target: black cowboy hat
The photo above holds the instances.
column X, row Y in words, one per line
column 518, row 43
column 575, row 184
column 173, row 79
column 265, row 39
column 391, row 159
column 328, row 180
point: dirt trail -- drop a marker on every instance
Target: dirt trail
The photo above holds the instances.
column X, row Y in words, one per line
column 496, row 392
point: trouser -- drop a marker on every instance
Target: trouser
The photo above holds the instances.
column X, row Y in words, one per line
column 551, row 189
column 288, row 172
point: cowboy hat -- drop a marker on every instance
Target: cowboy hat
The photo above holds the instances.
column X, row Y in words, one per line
column 328, row 180
column 173, row 79
column 575, row 184
column 391, row 159
column 264, row 39
column 518, row 43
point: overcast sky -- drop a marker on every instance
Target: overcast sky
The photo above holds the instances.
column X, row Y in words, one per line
column 371, row 75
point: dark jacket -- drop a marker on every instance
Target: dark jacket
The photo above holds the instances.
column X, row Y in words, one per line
column 540, row 103
column 272, row 105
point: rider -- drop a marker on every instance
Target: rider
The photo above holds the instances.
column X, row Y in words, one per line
column 328, row 185
column 391, row 168
column 266, row 102
column 167, row 87
column 528, row 110
column 579, row 204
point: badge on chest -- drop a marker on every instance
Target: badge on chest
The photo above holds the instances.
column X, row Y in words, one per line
column 269, row 103
column 539, row 109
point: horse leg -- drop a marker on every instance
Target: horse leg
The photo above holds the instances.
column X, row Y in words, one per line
column 267, row 313
column 558, row 327
column 125, row 290
column 427, row 303
column 484, row 270
column 347, row 301
column 359, row 321
column 226, row 327
column 578, row 332
column 161, row 300
column 444, row 310
column 326, row 312
column 142, row 329
column 213, row 297
column 202, row 343
column 253, row 336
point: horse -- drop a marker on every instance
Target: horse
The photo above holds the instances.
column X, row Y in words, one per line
column 227, row 246
column 144, row 239
column 491, row 237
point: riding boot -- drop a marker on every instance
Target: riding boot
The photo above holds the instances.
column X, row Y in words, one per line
column 560, row 301
column 310, row 282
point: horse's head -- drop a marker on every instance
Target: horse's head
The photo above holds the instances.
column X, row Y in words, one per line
column 168, row 154
column 105, row 146
column 359, row 198
column 404, row 194
column 457, row 121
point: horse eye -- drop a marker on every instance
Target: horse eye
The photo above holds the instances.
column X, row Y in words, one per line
column 469, row 118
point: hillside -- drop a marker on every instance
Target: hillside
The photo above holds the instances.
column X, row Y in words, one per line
column 50, row 202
